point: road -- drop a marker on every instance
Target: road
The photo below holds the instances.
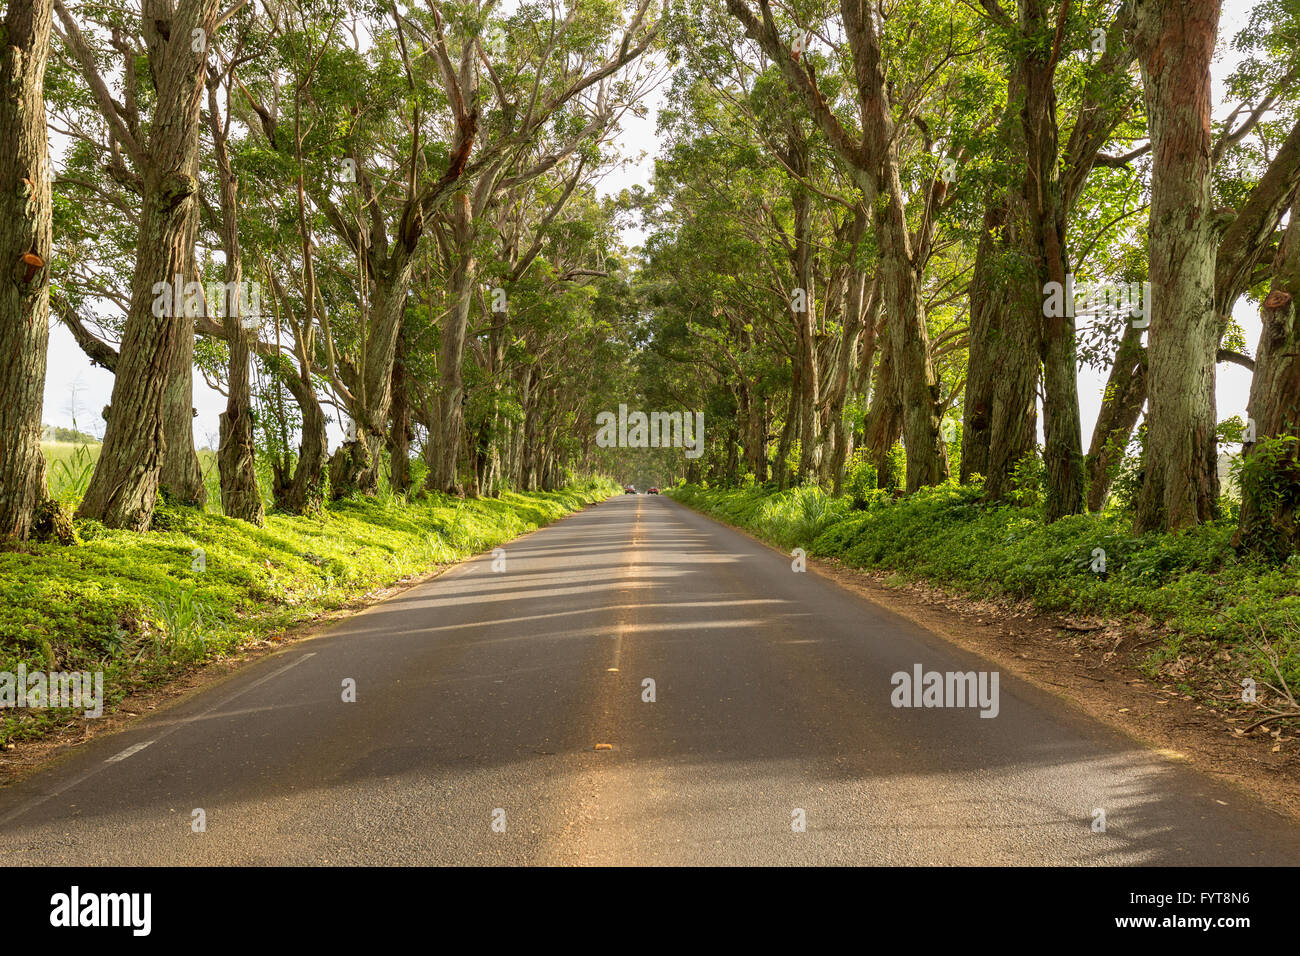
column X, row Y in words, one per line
column 500, row 718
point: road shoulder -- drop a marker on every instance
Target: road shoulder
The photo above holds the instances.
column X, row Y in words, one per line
column 1092, row 665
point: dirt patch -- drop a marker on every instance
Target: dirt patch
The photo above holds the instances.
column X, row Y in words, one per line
column 1185, row 713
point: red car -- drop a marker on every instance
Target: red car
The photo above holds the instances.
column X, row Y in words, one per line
column 653, row 491
column 629, row 490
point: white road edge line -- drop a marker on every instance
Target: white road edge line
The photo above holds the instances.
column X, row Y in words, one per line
column 136, row 748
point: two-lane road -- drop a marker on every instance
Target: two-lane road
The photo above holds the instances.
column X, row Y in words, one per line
column 502, row 717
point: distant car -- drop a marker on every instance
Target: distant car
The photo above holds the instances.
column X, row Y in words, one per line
column 653, row 491
column 629, row 490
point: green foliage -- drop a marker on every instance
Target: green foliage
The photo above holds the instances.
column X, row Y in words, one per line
column 69, row 469
column 896, row 467
column 860, row 483
column 57, row 433
column 1267, row 475
column 1130, row 472
column 1029, row 481
column 1269, row 479
column 183, row 623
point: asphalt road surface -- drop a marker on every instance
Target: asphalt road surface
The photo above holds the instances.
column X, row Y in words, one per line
column 501, row 717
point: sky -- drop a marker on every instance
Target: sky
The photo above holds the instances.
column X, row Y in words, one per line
column 77, row 391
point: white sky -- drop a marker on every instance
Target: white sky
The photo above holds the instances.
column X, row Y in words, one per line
column 76, row 389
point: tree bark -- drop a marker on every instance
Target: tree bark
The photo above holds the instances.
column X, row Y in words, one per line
column 873, row 162
column 180, row 476
column 1175, row 43
column 884, row 421
column 399, row 432
column 1045, row 205
column 124, row 487
column 304, row 492
column 443, row 475
column 236, row 464
column 25, row 251
column 1121, row 406
column 801, row 260
column 788, row 430
column 1270, row 525
column 987, row 341
column 1001, row 387
column 354, row 466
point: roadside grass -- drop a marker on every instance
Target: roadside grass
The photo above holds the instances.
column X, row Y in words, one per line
column 143, row 608
column 69, row 465
column 1204, row 600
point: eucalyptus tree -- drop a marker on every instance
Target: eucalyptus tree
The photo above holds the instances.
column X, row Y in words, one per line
column 25, row 254
column 1270, row 478
column 453, row 93
column 1024, row 247
column 539, row 243
column 568, row 316
column 1270, row 506
column 566, row 78
column 718, row 281
column 1252, row 175
column 286, row 113
column 153, row 134
column 1175, row 41
column 904, row 215
column 1201, row 261
column 239, row 311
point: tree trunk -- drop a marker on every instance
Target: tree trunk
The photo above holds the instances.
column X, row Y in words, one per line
column 787, row 434
column 884, row 422
column 1121, row 406
column 803, row 313
column 451, row 354
column 354, row 466
column 873, row 162
column 25, row 251
column 909, row 342
column 1175, row 44
column 236, row 463
column 1045, row 206
column 400, row 433
column 1006, row 409
column 180, row 476
column 986, row 341
column 1013, row 416
column 124, row 487
column 1270, row 521
column 305, row 492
